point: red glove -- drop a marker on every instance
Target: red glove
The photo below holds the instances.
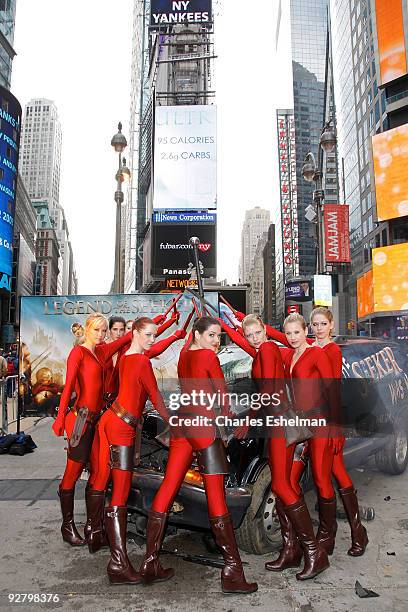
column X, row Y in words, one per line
column 58, row 427
column 180, row 334
column 239, row 315
column 159, row 319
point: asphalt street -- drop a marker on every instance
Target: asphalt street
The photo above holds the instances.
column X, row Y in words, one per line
column 34, row 559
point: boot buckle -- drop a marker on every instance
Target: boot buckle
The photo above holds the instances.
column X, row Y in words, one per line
column 112, row 514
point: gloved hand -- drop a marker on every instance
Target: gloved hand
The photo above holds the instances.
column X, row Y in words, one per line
column 58, row 426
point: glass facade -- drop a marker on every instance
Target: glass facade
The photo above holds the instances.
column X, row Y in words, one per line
column 360, row 109
column 7, row 20
column 309, row 38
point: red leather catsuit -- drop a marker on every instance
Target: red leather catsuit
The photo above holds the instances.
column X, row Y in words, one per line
column 137, row 384
column 85, row 375
column 339, row 470
column 267, row 366
column 196, row 368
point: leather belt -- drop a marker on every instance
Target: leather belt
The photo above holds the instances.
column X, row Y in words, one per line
column 123, row 414
column 92, row 417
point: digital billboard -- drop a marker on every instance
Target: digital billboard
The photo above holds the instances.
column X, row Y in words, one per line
column 184, row 217
column 322, row 290
column 170, row 12
column 185, row 158
column 288, row 193
column 391, row 43
column 172, row 254
column 297, row 290
column 390, row 154
column 10, row 123
column 365, row 295
column 390, row 278
column 336, row 233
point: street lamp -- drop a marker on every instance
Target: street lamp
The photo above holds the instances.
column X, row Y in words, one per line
column 119, row 143
column 314, row 172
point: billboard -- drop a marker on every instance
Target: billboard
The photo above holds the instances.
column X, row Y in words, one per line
column 365, row 295
column 184, row 217
column 390, row 278
column 10, row 123
column 48, row 333
column 297, row 290
column 322, row 290
column 172, row 254
column 185, row 158
column 170, row 12
column 390, row 154
column 391, row 43
column 288, row 193
column 336, row 233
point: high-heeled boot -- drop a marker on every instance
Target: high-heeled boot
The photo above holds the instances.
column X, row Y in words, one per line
column 96, row 538
column 151, row 569
column 68, row 529
column 291, row 553
column 359, row 538
column 120, row 569
column 326, row 534
column 315, row 556
column 232, row 575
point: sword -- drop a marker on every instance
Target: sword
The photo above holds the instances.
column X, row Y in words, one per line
column 195, row 294
column 200, row 559
column 195, row 241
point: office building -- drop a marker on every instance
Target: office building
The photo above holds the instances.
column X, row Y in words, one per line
column 271, row 313
column 7, row 53
column 47, row 252
column 256, row 223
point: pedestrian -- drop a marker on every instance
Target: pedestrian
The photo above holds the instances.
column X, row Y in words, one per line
column 199, row 370
column 3, row 365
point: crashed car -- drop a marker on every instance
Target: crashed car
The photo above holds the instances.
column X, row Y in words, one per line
column 375, row 413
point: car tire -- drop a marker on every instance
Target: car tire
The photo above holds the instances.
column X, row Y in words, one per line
column 259, row 532
column 393, row 457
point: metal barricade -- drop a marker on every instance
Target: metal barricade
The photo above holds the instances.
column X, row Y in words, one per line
column 8, row 402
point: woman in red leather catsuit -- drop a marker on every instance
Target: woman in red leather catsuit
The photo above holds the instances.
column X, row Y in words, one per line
column 117, row 327
column 85, row 375
column 117, row 434
column 322, row 323
column 198, row 365
column 294, row 518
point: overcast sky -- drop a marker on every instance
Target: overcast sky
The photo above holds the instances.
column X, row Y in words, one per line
column 78, row 55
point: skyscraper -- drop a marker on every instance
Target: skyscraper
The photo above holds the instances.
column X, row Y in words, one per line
column 40, row 167
column 361, row 112
column 7, row 53
column 309, row 37
column 40, row 152
column 256, row 223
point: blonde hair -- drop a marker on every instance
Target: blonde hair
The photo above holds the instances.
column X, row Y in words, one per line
column 93, row 320
column 250, row 319
column 322, row 310
column 295, row 317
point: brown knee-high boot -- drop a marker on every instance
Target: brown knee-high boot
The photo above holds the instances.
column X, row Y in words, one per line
column 87, row 526
column 120, row 570
column 316, row 559
column 291, row 553
column 359, row 538
column 326, row 534
column 68, row 529
column 151, row 569
column 232, row 575
column 95, row 507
